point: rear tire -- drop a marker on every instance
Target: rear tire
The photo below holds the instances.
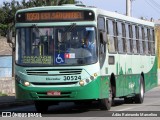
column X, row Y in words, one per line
column 106, row 103
column 41, row 106
column 139, row 98
column 128, row 100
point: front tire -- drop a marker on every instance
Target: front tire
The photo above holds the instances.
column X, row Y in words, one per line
column 139, row 98
column 106, row 103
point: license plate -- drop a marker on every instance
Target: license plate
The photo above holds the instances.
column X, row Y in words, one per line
column 54, row 93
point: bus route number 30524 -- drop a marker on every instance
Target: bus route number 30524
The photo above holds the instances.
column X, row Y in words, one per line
column 72, row 78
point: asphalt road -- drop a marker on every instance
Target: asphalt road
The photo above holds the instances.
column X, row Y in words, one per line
column 150, row 108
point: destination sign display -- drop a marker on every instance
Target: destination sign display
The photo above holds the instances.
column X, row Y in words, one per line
column 47, row 60
column 55, row 15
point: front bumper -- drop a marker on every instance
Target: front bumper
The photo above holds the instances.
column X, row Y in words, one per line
column 89, row 91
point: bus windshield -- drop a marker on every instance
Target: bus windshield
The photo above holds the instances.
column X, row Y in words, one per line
column 50, row 46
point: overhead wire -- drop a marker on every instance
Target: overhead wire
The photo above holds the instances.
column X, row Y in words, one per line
column 153, row 6
column 155, row 3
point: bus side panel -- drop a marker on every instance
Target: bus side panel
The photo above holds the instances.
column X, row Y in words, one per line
column 104, row 87
column 151, row 78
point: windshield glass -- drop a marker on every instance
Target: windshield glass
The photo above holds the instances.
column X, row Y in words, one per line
column 70, row 45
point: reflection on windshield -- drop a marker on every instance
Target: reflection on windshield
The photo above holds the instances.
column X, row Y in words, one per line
column 56, row 46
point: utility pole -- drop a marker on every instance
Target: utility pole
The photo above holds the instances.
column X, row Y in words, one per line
column 128, row 7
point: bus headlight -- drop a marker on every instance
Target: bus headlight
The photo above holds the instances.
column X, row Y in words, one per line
column 81, row 83
column 26, row 83
column 21, row 81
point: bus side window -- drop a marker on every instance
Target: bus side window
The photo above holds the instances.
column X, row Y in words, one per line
column 152, row 42
column 101, row 31
column 128, row 40
column 149, row 40
column 119, row 37
column 115, row 35
column 110, row 36
column 134, row 39
column 124, row 37
column 131, row 37
column 137, row 38
column 143, row 40
column 101, row 23
column 146, row 40
column 140, row 40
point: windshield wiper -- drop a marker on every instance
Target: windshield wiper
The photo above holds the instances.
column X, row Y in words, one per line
column 71, row 27
column 69, row 30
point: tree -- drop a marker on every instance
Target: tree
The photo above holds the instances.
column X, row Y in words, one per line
column 8, row 10
column 60, row 2
column 7, row 13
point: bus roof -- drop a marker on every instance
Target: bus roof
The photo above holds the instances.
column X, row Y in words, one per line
column 108, row 14
column 121, row 17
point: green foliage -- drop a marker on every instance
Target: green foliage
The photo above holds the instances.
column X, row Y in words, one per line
column 8, row 10
column 2, row 94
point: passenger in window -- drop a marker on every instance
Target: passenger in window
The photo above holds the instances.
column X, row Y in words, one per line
column 88, row 41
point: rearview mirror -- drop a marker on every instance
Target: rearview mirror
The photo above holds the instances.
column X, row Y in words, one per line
column 103, row 36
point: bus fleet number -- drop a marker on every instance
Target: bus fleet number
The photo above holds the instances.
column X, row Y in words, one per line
column 72, row 78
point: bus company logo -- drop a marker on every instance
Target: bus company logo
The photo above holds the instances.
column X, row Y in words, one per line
column 6, row 114
column 53, row 79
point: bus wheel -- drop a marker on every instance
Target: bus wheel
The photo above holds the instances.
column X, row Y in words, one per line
column 106, row 103
column 140, row 96
column 41, row 106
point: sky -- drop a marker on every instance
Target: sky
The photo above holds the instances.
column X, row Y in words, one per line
column 140, row 8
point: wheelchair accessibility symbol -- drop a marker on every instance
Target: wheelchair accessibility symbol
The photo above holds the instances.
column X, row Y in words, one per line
column 59, row 58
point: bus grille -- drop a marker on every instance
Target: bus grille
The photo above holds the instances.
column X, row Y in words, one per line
column 53, row 72
column 57, row 83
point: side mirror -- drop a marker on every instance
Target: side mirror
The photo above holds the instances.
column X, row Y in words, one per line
column 103, row 37
column 9, row 36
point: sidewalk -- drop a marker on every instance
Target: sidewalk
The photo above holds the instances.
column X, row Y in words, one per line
column 10, row 101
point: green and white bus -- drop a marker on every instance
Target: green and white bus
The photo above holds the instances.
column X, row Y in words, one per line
column 79, row 54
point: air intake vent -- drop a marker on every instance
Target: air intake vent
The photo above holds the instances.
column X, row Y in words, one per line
column 53, row 72
column 58, row 83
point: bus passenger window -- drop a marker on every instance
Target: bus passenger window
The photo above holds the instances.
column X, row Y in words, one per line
column 134, row 39
column 149, row 40
column 115, row 35
column 101, row 23
column 131, row 37
column 111, row 39
column 140, row 40
column 137, row 38
column 120, row 38
column 124, row 37
column 128, row 39
column 146, row 41
column 152, row 42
